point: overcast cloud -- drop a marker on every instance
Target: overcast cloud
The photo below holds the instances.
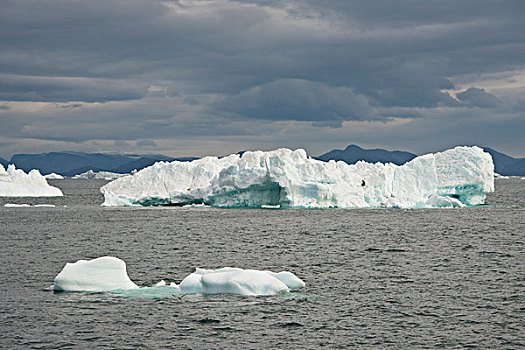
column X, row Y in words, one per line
column 193, row 78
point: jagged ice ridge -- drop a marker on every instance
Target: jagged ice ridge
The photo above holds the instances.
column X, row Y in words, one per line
column 16, row 183
column 98, row 175
column 290, row 179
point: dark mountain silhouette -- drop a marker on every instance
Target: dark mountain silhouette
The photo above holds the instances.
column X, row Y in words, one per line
column 73, row 163
column 353, row 153
column 506, row 165
column 503, row 164
column 65, row 162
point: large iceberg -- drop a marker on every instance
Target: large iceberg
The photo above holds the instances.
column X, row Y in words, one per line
column 290, row 179
column 97, row 275
column 16, row 183
column 109, row 274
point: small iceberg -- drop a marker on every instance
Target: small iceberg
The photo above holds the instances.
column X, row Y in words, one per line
column 109, row 274
column 99, row 175
column 54, row 176
column 97, row 275
column 14, row 205
column 230, row 280
column 499, row 176
column 16, row 183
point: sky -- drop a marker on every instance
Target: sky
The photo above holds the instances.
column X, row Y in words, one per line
column 213, row 77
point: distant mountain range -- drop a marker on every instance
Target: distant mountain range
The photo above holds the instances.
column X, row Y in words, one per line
column 74, row 163
column 506, row 165
column 352, row 154
column 503, row 164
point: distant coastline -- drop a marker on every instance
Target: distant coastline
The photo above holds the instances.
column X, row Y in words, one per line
column 75, row 163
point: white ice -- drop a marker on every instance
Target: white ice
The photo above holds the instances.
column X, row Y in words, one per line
column 97, row 275
column 14, row 205
column 230, row 280
column 16, row 183
column 290, row 179
column 109, row 274
column 99, row 175
column 54, row 176
column 499, row 176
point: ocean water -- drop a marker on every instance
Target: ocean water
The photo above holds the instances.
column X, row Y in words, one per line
column 385, row 278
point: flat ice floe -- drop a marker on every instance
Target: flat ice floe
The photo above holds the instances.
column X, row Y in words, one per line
column 109, row 274
column 15, row 205
column 16, row 183
column 290, row 179
column 24, row 205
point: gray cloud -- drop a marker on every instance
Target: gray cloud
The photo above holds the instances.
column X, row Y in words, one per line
column 478, row 98
column 148, row 69
column 293, row 99
column 121, row 143
column 64, row 89
column 146, row 144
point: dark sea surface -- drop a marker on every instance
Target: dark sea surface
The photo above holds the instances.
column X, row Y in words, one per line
column 385, row 278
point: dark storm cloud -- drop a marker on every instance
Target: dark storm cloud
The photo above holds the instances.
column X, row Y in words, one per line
column 294, row 99
column 401, row 53
column 197, row 68
column 146, row 144
column 478, row 98
column 64, row 89
column 121, row 143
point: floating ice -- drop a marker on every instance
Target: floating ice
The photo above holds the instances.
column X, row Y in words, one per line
column 99, row 175
column 230, row 280
column 16, row 183
column 290, row 179
column 54, row 176
column 14, row 205
column 97, row 275
column 499, row 176
column 109, row 274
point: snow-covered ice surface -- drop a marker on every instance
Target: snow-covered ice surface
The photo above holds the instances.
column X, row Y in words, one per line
column 16, row 183
column 54, row 176
column 99, row 175
column 109, row 274
column 97, row 275
column 229, row 280
column 290, row 179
